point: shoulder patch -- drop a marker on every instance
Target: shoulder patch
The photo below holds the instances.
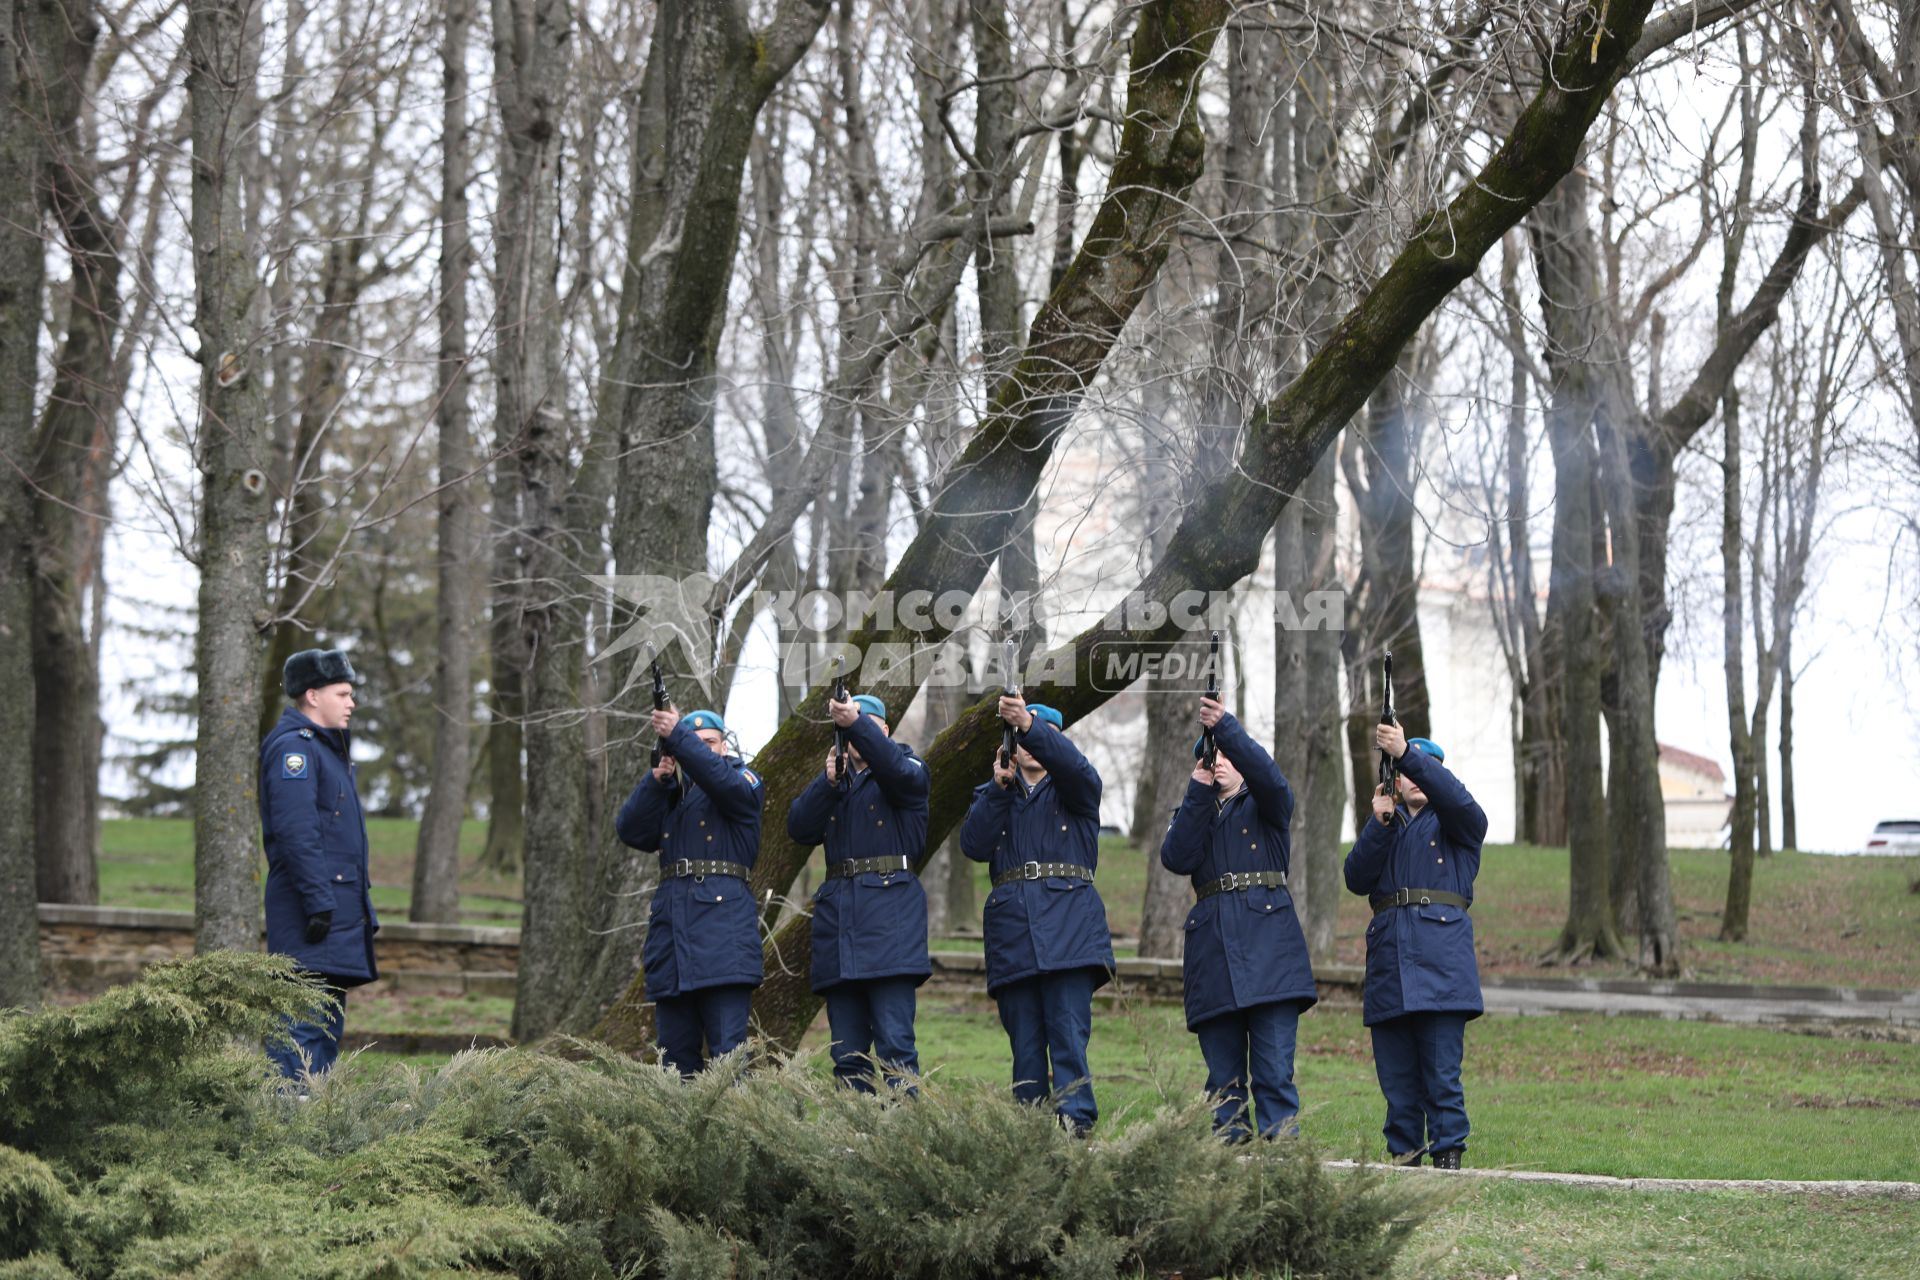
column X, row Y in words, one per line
column 293, row 764
column 751, row 776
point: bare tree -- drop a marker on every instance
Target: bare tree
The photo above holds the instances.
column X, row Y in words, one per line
column 70, row 464
column 232, row 450
column 436, row 867
column 25, row 39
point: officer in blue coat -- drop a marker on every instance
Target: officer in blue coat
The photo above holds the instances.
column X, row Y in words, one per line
column 318, row 906
column 699, row 808
column 1037, row 826
column 1416, row 861
column 870, row 916
column 1247, row 974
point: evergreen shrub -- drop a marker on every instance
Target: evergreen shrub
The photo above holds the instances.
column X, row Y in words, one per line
column 144, row 1135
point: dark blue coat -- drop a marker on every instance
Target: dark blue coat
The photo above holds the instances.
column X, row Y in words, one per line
column 702, row 931
column 316, row 840
column 1420, row 959
column 871, row 925
column 1055, row 924
column 1243, row 948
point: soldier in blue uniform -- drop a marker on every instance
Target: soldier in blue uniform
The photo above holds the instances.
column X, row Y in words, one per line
column 1247, row 974
column 700, row 810
column 1416, row 862
column 1037, row 825
column 318, row 907
column 870, row 916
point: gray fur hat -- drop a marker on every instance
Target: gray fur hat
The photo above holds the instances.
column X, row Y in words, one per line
column 315, row 669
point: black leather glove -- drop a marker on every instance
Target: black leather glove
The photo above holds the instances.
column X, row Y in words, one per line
column 318, row 926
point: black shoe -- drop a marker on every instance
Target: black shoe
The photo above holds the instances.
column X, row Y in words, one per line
column 1403, row 1157
column 1447, row 1159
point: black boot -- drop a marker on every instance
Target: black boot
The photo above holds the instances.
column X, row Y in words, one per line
column 1403, row 1157
column 1447, row 1159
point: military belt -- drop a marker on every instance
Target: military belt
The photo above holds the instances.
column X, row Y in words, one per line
column 1417, row 898
column 702, row 867
column 861, row 866
column 1043, row 871
column 1240, row 881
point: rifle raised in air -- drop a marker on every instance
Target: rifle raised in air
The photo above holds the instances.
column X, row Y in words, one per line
column 842, row 780
column 1389, row 767
column 660, row 703
column 1011, row 689
column 1209, row 751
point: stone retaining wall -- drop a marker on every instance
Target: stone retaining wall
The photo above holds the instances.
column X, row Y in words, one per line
column 87, row 949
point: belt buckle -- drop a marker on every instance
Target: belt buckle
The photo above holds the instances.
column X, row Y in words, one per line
column 683, row 867
column 1029, row 871
column 1236, row 882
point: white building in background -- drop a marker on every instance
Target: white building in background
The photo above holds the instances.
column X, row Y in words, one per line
column 1695, row 790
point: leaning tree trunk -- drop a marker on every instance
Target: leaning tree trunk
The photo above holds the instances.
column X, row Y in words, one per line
column 22, row 274
column 1282, row 442
column 232, row 450
column 436, row 858
column 71, row 462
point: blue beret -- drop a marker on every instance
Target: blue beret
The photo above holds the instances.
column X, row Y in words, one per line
column 698, row 720
column 1041, row 711
column 870, row 705
column 316, row 669
column 1427, row 747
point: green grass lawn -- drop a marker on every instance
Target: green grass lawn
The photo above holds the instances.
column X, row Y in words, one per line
column 1815, row 919
column 1509, row 1229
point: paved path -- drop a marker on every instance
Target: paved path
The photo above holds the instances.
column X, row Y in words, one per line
column 1898, row 1011
column 1840, row 1188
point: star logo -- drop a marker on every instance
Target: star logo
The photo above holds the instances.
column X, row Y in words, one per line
column 664, row 611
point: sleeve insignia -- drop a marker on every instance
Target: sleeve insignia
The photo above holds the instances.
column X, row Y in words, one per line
column 293, row 765
column 750, row 776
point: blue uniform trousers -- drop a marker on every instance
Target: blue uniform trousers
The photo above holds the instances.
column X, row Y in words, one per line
column 717, row 1015
column 1049, row 1018
column 316, row 1045
column 1417, row 1057
column 1264, row 1034
column 872, row 1017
